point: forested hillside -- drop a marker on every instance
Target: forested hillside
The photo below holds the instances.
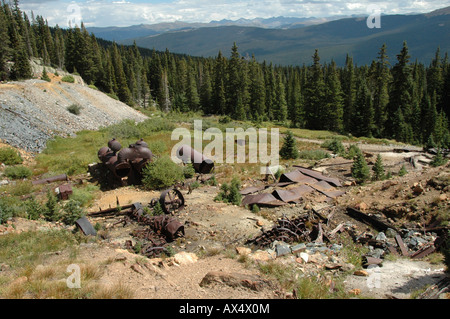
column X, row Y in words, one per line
column 393, row 97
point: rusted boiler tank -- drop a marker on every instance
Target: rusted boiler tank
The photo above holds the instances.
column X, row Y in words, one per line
column 126, row 162
column 201, row 163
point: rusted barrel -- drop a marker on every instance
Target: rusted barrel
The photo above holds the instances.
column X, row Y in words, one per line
column 114, row 145
column 201, row 163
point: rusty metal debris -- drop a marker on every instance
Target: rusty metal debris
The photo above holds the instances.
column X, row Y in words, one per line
column 64, row 191
column 201, row 163
column 286, row 230
column 158, row 230
column 307, row 180
column 62, row 177
column 85, row 226
column 370, row 220
column 126, row 162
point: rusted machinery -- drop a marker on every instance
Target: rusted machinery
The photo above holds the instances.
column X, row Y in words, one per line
column 202, row 164
column 157, row 231
column 126, row 162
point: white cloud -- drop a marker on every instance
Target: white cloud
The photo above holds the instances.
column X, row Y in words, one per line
column 129, row 12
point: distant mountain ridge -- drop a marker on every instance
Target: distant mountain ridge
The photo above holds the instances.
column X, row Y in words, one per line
column 122, row 33
column 292, row 41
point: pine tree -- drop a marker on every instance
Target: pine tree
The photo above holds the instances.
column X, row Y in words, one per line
column 363, row 114
column 289, row 149
column 349, row 89
column 280, row 106
column 400, row 98
column 5, row 49
column 315, row 96
column 360, row 169
column 333, row 118
column 378, row 169
column 381, row 78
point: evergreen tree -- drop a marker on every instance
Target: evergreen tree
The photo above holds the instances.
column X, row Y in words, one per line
column 378, row 169
column 289, row 149
column 334, row 108
column 315, row 96
column 400, row 98
column 381, row 78
column 360, row 169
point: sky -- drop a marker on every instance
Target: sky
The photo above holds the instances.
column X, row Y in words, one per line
column 103, row 13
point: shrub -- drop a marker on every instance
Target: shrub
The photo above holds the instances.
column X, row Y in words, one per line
column 45, row 76
column 402, row 171
column 9, row 156
column 352, row 151
column 289, row 149
column 72, row 212
column 74, row 109
column 161, row 173
column 230, row 193
column 188, row 170
column 6, row 211
column 52, row 208
column 126, row 129
column 34, row 209
column 68, row 79
column 18, row 172
column 360, row 169
column 157, row 147
column 313, row 154
column 438, row 160
column 334, row 145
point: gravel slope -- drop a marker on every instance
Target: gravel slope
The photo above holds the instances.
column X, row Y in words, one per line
column 34, row 111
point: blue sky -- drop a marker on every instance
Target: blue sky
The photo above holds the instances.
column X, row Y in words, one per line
column 132, row 12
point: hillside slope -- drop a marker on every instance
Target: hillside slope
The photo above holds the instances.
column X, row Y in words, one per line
column 423, row 33
column 34, row 111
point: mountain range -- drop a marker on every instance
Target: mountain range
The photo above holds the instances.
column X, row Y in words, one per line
column 292, row 41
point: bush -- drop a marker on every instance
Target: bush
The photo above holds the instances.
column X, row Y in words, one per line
column 45, row 76
column 161, row 173
column 126, row 129
column 72, row 212
column 402, row 171
column 352, row 151
column 438, row 160
column 68, row 79
column 6, row 211
column 52, row 208
column 230, row 193
column 9, row 156
column 289, row 149
column 313, row 154
column 18, row 172
column 74, row 109
column 34, row 209
column 334, row 145
column 188, row 170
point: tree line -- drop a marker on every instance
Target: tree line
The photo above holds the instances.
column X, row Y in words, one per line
column 395, row 98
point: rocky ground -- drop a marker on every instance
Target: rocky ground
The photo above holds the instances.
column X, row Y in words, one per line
column 34, row 111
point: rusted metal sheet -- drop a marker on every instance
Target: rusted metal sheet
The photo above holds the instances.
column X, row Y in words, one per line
column 57, row 178
column 297, row 177
column 251, row 190
column 333, row 194
column 265, row 199
column 286, row 196
column 400, row 244
column 424, row 251
column 85, row 226
column 319, row 176
column 376, row 223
